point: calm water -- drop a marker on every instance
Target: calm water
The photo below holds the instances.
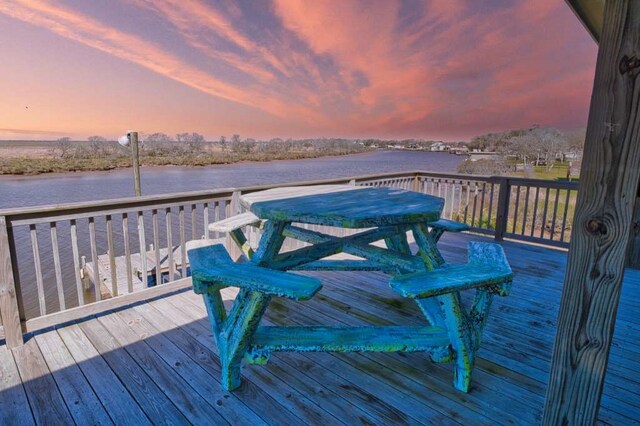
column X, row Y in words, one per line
column 51, row 189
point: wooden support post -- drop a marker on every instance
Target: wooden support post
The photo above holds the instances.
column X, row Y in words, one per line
column 633, row 249
column 234, row 208
column 9, row 296
column 135, row 160
column 502, row 213
column 416, row 183
column 608, row 187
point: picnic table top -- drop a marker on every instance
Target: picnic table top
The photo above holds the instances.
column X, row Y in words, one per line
column 344, row 205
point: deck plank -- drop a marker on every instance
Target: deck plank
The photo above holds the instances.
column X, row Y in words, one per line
column 14, row 406
column 84, row 405
column 251, row 395
column 118, row 402
column 44, row 397
column 287, row 396
column 151, row 399
column 193, row 406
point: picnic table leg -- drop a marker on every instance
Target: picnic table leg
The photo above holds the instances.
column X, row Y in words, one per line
column 239, row 329
column 239, row 238
column 465, row 328
column 270, row 242
column 399, row 242
column 427, row 249
column 461, row 335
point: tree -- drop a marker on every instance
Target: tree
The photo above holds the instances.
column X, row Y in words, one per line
column 97, row 145
column 192, row 141
column 551, row 144
column 63, row 146
column 223, row 143
column 158, row 138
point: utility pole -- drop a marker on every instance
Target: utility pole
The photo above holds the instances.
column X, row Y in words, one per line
column 135, row 160
column 131, row 140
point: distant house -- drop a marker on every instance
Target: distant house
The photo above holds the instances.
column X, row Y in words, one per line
column 460, row 150
column 439, row 147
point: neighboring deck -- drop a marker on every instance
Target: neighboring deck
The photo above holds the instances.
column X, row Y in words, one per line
column 156, row 361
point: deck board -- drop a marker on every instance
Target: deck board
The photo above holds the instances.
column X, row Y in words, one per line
column 14, row 406
column 156, row 361
column 84, row 405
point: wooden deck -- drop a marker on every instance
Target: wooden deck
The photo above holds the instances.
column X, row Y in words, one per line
column 156, row 362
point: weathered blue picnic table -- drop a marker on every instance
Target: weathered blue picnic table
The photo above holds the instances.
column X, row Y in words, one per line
column 452, row 332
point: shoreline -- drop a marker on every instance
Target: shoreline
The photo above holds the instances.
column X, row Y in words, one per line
column 80, row 173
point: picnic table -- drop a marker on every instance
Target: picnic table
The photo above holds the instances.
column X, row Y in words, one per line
column 453, row 331
column 384, row 214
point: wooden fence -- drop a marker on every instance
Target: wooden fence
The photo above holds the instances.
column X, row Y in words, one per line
column 64, row 262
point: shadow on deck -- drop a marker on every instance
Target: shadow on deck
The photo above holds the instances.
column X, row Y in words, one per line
column 155, row 362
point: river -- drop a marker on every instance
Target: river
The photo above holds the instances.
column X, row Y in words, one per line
column 19, row 191
column 16, row 192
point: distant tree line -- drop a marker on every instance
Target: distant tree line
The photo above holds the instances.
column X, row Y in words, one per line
column 534, row 146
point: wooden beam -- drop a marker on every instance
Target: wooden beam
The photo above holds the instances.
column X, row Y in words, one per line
column 608, row 185
column 9, row 309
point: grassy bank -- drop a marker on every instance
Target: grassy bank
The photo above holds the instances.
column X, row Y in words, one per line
column 26, row 165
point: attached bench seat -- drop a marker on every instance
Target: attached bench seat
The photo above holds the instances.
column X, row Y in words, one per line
column 235, row 222
column 213, row 265
column 437, row 293
column 487, row 265
column 438, row 227
column 233, row 226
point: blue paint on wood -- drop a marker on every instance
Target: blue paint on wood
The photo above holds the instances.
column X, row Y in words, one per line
column 212, row 265
column 361, row 208
column 453, row 331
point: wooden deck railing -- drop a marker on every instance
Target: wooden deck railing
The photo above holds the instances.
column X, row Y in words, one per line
column 63, row 262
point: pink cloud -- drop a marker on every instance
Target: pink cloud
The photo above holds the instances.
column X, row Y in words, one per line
column 360, row 68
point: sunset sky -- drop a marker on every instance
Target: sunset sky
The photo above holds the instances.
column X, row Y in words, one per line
column 291, row 68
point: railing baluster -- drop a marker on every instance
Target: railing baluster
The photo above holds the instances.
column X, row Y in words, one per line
column 216, row 217
column 156, row 245
column 484, row 190
column 112, row 256
column 555, row 212
column 475, row 199
column 167, row 216
column 535, row 211
column 526, row 208
column 127, row 252
column 515, row 211
column 459, row 210
column 564, row 216
column 94, row 259
column 544, row 212
column 194, row 228
column 76, row 261
column 38, row 268
column 183, row 243
column 491, row 195
column 453, row 200
column 466, row 206
column 56, row 265
column 205, row 220
column 142, row 243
